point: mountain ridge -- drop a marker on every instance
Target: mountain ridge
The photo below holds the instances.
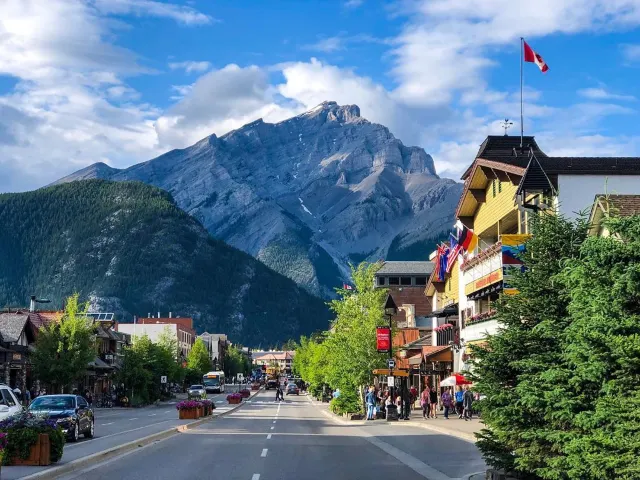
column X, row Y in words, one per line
column 307, row 194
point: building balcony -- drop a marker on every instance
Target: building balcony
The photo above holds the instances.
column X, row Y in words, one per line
column 483, row 270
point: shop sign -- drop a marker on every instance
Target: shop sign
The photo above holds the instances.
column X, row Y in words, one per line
column 513, row 246
column 383, row 339
column 17, row 356
column 484, row 281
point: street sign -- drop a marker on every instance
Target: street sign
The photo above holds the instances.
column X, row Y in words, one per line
column 163, row 379
column 391, row 363
column 390, row 381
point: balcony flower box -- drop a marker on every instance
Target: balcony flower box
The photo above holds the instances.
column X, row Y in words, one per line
column 189, row 410
column 480, row 317
column 234, row 398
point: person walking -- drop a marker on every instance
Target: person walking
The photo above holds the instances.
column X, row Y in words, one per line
column 459, row 402
column 433, row 402
column 468, row 403
column 446, row 402
column 371, row 403
column 425, row 403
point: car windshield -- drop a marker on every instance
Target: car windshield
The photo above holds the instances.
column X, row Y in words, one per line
column 52, row 403
column 195, row 387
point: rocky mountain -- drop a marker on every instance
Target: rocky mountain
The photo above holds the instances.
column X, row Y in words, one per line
column 307, row 195
column 129, row 249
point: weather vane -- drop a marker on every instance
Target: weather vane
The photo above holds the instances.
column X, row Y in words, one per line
column 506, row 124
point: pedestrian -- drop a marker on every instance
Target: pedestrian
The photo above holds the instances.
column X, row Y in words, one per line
column 371, row 403
column 414, row 394
column 459, row 401
column 27, row 397
column 446, row 403
column 433, row 402
column 425, row 402
column 468, row 403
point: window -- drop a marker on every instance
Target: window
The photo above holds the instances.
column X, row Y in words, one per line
column 394, row 280
column 82, row 403
column 405, row 281
column 493, row 188
column 381, row 281
column 7, row 398
column 421, row 280
column 499, row 186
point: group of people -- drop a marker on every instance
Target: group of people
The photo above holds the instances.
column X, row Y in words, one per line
column 375, row 398
column 461, row 402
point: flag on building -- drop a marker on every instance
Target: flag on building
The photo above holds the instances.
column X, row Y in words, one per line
column 454, row 251
column 442, row 258
column 347, row 287
column 467, row 239
column 533, row 57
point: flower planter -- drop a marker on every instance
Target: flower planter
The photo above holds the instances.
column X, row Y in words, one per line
column 255, row 387
column 188, row 414
column 234, row 401
column 40, row 454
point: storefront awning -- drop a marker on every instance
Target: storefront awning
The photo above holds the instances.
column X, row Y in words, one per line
column 485, row 292
column 448, row 311
column 440, row 353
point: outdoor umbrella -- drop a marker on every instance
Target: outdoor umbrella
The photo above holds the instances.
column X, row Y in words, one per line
column 453, row 380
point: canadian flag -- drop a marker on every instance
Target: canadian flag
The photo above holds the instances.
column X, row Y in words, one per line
column 533, row 57
column 347, row 287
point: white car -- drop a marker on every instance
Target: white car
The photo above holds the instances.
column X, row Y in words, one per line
column 9, row 403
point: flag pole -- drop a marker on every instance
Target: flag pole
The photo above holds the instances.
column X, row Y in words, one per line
column 521, row 82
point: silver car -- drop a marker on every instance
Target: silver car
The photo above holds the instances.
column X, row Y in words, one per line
column 196, row 391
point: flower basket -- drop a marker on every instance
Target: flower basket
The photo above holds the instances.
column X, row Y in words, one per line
column 245, row 393
column 234, row 398
column 189, row 410
column 39, row 455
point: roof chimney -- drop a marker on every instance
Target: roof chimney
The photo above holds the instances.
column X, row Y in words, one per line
column 170, row 315
column 32, row 304
column 158, row 314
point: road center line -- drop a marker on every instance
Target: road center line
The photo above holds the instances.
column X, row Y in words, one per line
column 97, row 439
column 134, row 418
column 103, row 424
column 264, row 452
column 274, row 421
column 152, row 414
column 256, row 476
column 272, row 428
column 269, row 437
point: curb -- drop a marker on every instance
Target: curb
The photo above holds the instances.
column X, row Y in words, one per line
column 469, row 437
column 112, row 452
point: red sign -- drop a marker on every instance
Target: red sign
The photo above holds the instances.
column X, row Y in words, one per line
column 383, row 339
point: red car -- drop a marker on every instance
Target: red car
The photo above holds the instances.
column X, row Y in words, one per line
column 292, row 388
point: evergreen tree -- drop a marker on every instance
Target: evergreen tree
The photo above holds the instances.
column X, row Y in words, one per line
column 517, row 368
column 65, row 348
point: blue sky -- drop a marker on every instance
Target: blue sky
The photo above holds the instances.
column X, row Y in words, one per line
column 121, row 81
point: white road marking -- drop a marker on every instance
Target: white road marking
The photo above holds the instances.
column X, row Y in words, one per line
column 219, row 401
column 272, row 428
column 97, row 439
column 135, row 418
column 269, row 437
column 264, row 452
column 103, row 424
column 152, row 414
column 274, row 421
column 256, row 476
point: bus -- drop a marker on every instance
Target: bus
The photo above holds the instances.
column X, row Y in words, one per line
column 213, row 382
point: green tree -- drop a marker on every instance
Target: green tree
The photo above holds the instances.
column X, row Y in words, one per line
column 65, row 348
column 198, row 359
column 168, row 355
column 290, row 345
column 518, row 368
column 236, row 362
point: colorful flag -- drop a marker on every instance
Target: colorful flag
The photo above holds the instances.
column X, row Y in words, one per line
column 533, row 57
column 441, row 262
column 467, row 239
column 347, row 287
column 454, row 251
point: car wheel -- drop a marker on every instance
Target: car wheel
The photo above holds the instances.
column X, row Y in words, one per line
column 89, row 433
column 76, row 433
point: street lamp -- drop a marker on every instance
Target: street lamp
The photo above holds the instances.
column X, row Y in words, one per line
column 390, row 309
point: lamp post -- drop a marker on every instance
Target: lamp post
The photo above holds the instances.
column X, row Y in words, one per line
column 390, row 309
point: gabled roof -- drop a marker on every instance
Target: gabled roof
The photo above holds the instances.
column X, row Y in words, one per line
column 12, row 325
column 506, row 150
column 405, row 268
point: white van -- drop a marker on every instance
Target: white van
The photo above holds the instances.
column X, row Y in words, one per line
column 9, row 403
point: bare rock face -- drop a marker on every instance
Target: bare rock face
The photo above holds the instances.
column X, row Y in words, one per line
column 306, row 195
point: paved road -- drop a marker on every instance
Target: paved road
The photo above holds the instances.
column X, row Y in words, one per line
column 294, row 440
column 116, row 426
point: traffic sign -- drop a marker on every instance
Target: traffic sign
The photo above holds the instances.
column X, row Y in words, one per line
column 391, row 363
column 163, row 379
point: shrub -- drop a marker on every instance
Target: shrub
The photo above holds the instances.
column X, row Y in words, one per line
column 347, row 402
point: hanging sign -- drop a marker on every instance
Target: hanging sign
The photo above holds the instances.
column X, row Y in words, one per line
column 383, row 339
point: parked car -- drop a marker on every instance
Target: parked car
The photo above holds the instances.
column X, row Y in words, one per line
column 9, row 403
column 292, row 388
column 196, row 391
column 71, row 412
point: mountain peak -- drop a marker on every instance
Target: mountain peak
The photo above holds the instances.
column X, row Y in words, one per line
column 332, row 112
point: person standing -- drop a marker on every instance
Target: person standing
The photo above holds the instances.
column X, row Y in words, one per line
column 459, row 402
column 371, row 403
column 433, row 402
column 425, row 402
column 468, row 403
column 446, row 403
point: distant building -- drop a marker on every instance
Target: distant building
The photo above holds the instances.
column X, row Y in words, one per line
column 611, row 205
column 283, row 359
column 185, row 336
column 217, row 344
column 406, row 282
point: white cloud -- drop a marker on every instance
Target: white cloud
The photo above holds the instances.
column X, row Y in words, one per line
column 602, row 94
column 353, row 3
column 190, row 66
column 180, row 13
column 341, row 41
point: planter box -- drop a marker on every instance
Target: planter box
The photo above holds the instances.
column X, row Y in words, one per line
column 255, row 387
column 234, row 401
column 200, row 411
column 188, row 414
column 40, row 454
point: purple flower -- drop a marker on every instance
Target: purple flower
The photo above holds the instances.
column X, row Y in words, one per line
column 188, row 404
